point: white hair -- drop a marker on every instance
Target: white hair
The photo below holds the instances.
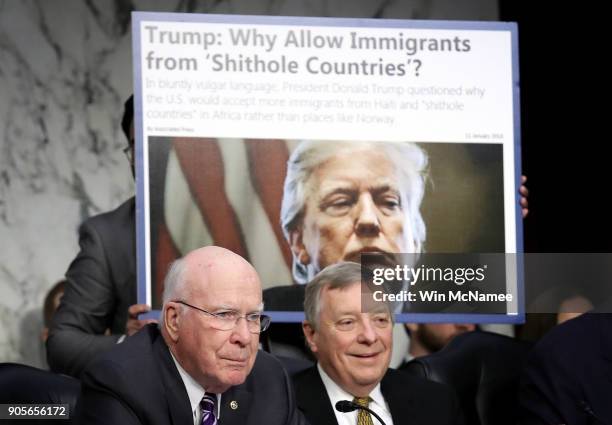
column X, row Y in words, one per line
column 409, row 160
column 174, row 283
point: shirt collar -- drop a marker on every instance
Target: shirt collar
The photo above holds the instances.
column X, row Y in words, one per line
column 333, row 390
column 377, row 398
column 336, row 393
column 195, row 391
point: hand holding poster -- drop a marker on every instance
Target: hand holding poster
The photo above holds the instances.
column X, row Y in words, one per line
column 300, row 142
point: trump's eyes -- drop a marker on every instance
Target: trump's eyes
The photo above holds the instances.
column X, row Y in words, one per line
column 390, row 203
column 341, row 204
column 338, row 204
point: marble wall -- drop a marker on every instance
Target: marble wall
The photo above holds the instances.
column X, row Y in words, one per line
column 65, row 70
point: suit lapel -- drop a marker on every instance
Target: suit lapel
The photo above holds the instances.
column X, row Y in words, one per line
column 312, row 398
column 176, row 394
column 236, row 405
column 401, row 403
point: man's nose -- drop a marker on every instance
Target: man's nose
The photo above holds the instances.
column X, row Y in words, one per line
column 366, row 220
column 241, row 334
column 367, row 333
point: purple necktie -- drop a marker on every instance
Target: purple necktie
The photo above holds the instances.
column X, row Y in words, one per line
column 207, row 405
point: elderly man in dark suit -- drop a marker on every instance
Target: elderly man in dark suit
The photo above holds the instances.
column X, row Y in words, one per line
column 204, row 364
column 352, row 343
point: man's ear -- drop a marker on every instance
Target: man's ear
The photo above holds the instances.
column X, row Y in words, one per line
column 172, row 321
column 297, row 246
column 309, row 333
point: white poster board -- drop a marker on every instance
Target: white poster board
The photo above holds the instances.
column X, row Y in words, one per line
column 223, row 102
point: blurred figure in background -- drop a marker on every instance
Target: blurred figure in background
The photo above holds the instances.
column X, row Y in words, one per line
column 100, row 289
column 428, row 338
column 567, row 377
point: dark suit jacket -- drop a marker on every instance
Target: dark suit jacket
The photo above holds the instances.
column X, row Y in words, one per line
column 22, row 384
column 411, row 400
column 568, row 378
column 101, row 285
column 137, row 382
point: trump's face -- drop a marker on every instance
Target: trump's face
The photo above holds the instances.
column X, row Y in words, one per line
column 353, row 348
column 217, row 359
column 354, row 204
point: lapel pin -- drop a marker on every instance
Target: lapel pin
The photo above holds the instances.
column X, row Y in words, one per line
column 234, row 404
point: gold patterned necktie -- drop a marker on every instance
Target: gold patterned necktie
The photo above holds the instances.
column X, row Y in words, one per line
column 363, row 417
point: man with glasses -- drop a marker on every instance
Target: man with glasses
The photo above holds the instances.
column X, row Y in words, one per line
column 352, row 342
column 202, row 365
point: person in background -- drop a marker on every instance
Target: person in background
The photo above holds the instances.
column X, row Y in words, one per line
column 100, row 292
column 567, row 379
column 428, row 338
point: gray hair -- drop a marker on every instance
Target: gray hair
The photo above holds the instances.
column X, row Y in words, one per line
column 336, row 276
column 174, row 283
column 409, row 160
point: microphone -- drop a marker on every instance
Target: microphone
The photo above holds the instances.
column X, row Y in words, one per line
column 346, row 406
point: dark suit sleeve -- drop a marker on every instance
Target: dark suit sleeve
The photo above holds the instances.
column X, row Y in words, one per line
column 86, row 309
column 543, row 396
column 458, row 412
column 443, row 405
column 105, row 397
column 295, row 415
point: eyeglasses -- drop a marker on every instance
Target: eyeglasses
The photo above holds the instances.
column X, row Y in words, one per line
column 129, row 153
column 228, row 320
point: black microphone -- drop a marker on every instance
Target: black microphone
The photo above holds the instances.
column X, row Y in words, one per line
column 346, row 406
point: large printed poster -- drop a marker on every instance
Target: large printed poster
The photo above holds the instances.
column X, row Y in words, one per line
column 300, row 142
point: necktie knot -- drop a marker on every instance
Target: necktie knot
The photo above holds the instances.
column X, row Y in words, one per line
column 363, row 417
column 208, row 405
column 362, row 401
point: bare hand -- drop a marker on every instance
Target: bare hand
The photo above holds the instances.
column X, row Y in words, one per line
column 524, row 192
column 133, row 324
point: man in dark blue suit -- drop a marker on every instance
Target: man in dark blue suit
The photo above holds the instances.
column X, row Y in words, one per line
column 568, row 378
column 352, row 344
column 203, row 365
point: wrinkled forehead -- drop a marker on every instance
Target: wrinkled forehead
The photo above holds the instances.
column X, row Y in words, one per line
column 358, row 167
column 348, row 297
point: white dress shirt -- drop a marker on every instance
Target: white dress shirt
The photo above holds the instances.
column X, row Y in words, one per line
column 195, row 393
column 335, row 393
